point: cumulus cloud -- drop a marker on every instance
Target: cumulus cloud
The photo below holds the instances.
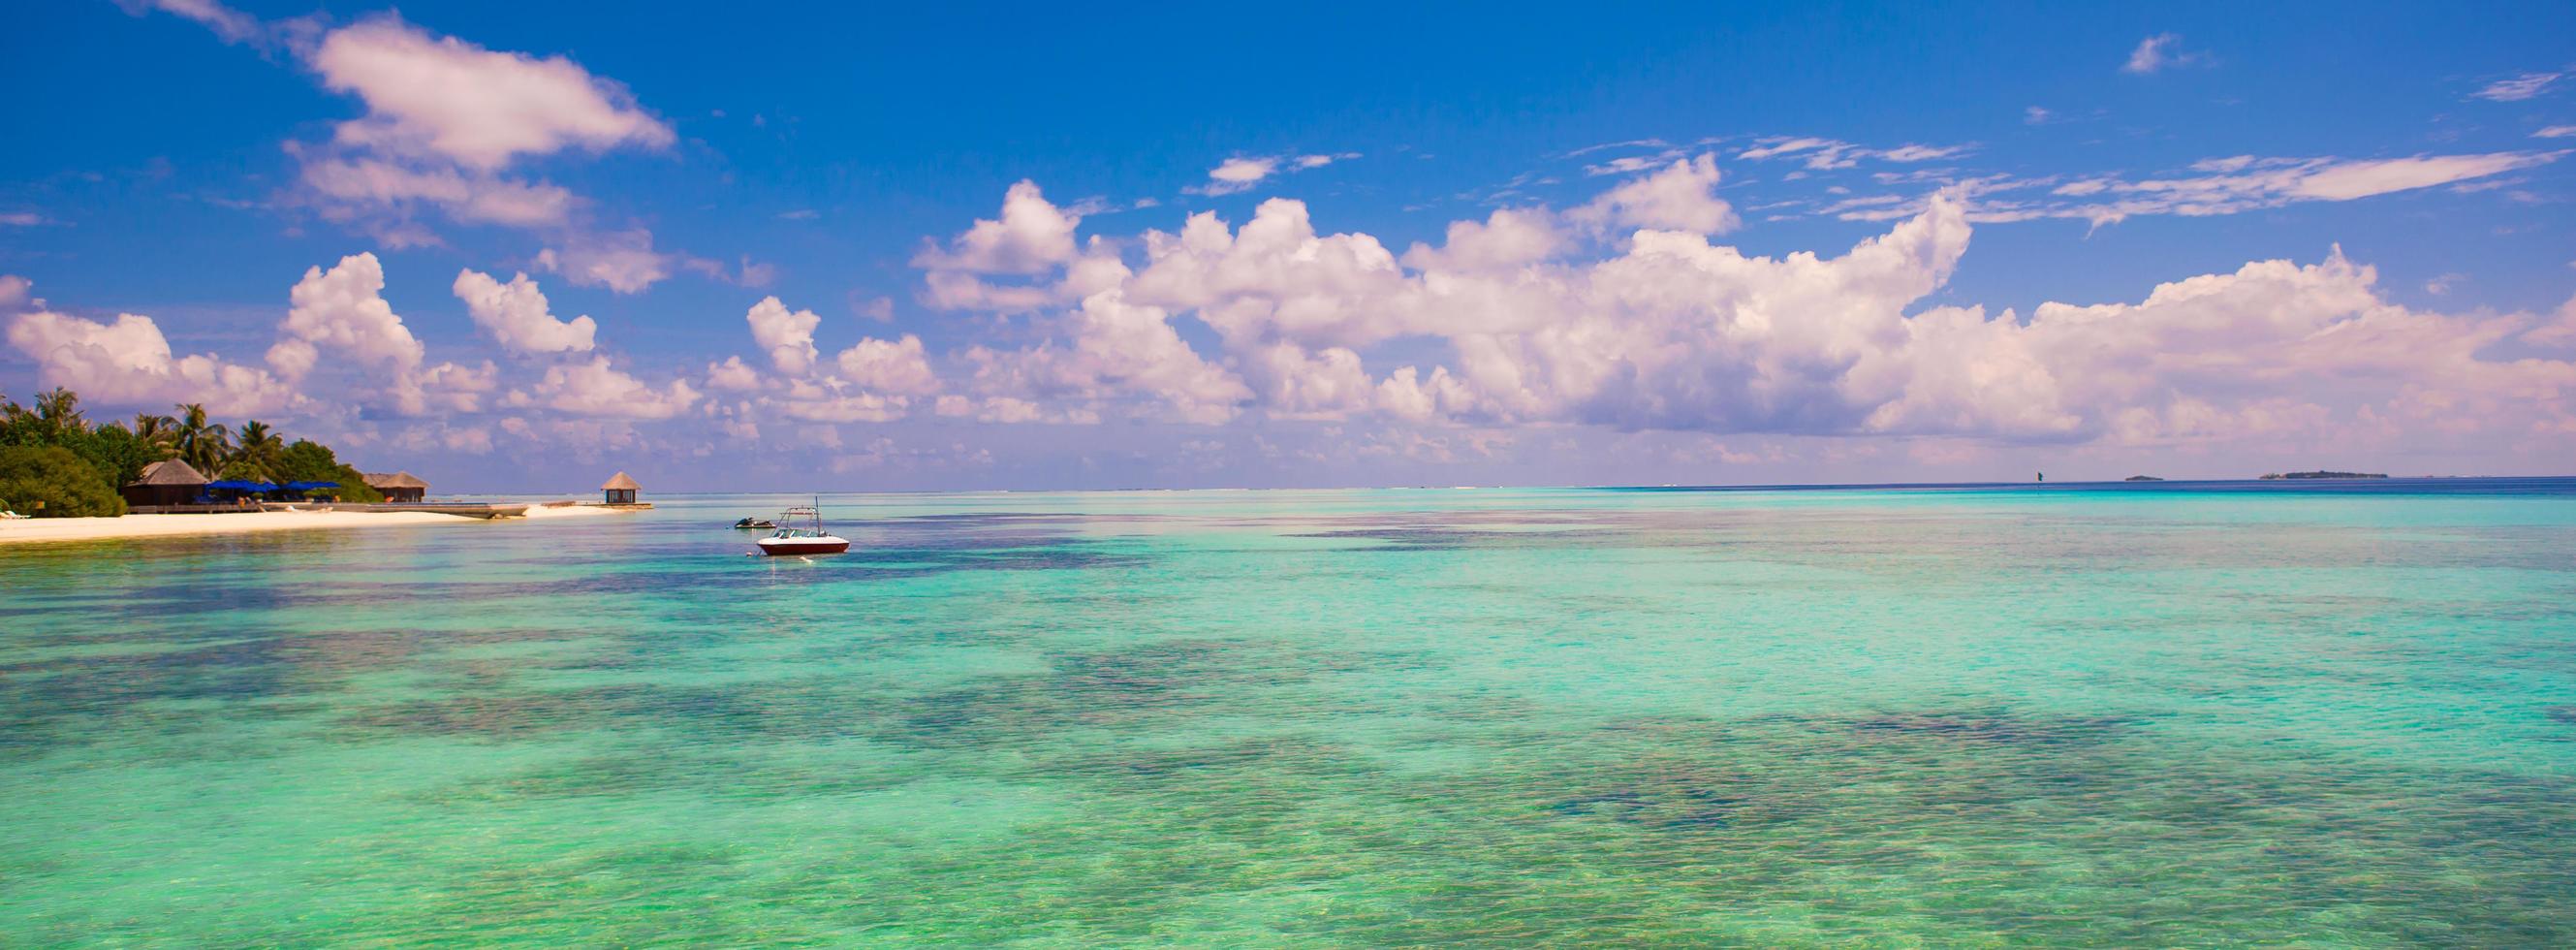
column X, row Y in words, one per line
column 128, row 362
column 1506, row 239
column 1674, row 332
column 2518, row 88
column 1681, row 197
column 787, row 336
column 598, row 389
column 872, row 381
column 1031, row 235
column 343, row 310
column 1118, row 349
column 890, row 366
column 733, row 374
column 515, row 314
column 2159, row 52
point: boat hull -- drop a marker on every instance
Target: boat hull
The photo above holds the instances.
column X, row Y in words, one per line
column 775, row 547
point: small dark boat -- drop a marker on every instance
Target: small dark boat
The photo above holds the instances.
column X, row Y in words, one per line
column 754, row 524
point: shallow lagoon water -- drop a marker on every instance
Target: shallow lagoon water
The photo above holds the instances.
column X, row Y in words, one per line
column 2115, row 715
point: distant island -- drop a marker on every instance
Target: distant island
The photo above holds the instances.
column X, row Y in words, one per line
column 2327, row 475
column 2142, row 478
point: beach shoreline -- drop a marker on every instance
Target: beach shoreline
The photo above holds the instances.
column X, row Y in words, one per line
column 134, row 527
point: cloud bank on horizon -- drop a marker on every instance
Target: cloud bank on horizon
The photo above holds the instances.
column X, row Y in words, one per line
column 1594, row 310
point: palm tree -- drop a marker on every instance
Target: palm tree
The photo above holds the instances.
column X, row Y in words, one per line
column 159, row 432
column 201, row 444
column 257, row 454
column 58, row 412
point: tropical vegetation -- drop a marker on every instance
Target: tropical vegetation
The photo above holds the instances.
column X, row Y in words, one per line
column 55, row 463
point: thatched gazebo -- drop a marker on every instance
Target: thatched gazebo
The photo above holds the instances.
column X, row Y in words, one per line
column 164, row 483
column 621, row 489
column 399, row 486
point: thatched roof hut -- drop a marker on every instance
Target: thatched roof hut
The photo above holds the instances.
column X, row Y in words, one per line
column 172, row 472
column 399, row 486
column 164, row 483
column 621, row 489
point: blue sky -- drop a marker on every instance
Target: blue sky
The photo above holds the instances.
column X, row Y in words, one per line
column 242, row 178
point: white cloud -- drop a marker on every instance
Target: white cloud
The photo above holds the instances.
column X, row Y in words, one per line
column 1506, row 239
column 889, row 366
column 343, row 310
column 1681, row 197
column 598, row 389
column 787, row 336
column 232, row 25
column 2519, row 88
column 2220, row 186
column 350, row 189
column 2160, row 52
column 13, row 291
column 2555, row 132
column 22, row 219
column 1242, row 172
column 1823, row 154
column 2361, row 179
column 444, row 121
column 1632, row 164
column 474, row 106
column 1031, row 235
column 516, row 315
column 622, row 261
column 1673, row 332
column 1118, row 349
column 733, row 374
column 1236, row 174
column 2035, row 115
column 453, row 387
column 1921, row 153
column 127, row 362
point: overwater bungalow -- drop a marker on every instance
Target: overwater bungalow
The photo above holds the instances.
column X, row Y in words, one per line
column 399, row 487
column 164, row 483
column 621, row 489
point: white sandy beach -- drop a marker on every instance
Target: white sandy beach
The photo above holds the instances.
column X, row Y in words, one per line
column 156, row 526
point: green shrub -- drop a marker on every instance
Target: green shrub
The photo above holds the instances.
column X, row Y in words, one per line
column 353, row 486
column 57, row 483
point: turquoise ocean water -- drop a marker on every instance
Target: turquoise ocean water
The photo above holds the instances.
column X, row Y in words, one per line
column 2115, row 716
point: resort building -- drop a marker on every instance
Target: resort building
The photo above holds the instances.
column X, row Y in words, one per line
column 164, row 483
column 621, row 489
column 399, row 486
